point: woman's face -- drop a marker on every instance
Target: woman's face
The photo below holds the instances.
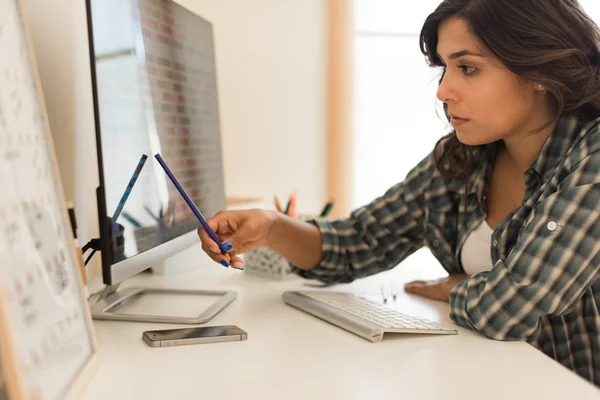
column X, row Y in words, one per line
column 487, row 102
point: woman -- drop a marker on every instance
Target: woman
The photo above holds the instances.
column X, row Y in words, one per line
column 519, row 173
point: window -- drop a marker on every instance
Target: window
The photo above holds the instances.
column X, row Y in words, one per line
column 397, row 118
column 396, row 121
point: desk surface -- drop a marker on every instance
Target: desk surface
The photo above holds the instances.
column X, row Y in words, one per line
column 293, row 355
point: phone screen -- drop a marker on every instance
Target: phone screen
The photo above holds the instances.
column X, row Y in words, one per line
column 193, row 333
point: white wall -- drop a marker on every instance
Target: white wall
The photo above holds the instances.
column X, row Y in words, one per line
column 271, row 65
column 59, row 33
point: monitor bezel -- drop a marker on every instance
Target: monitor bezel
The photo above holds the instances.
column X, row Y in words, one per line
column 114, row 273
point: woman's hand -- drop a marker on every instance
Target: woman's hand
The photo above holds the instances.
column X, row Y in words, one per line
column 239, row 231
column 438, row 289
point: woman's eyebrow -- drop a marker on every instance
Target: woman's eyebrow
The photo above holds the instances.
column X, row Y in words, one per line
column 462, row 53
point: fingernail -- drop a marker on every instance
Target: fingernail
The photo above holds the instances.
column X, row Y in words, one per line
column 238, row 265
column 224, row 263
column 227, row 246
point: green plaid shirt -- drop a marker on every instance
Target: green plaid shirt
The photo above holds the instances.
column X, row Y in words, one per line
column 543, row 287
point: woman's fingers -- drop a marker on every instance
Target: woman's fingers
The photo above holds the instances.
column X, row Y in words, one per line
column 239, row 231
column 223, row 259
column 424, row 291
column 230, row 259
column 237, row 262
column 205, row 237
column 209, row 246
column 413, row 284
column 427, row 289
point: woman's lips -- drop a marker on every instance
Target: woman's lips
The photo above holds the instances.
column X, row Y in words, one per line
column 456, row 121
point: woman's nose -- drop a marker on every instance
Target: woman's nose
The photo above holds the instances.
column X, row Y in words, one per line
column 445, row 90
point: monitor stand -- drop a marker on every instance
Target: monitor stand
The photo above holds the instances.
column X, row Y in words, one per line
column 106, row 305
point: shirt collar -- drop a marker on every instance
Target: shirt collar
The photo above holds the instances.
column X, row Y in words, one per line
column 566, row 132
column 481, row 164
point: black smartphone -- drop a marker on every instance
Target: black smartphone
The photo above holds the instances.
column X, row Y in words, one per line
column 205, row 334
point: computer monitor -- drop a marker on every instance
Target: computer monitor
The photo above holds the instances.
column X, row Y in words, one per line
column 154, row 88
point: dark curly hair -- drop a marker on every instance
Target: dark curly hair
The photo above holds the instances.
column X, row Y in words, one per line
column 551, row 42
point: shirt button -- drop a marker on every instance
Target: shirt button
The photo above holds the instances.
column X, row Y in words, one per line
column 495, row 243
column 552, row 226
column 435, row 243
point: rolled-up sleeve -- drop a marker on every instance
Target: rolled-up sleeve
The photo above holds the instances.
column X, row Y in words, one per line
column 553, row 263
column 377, row 236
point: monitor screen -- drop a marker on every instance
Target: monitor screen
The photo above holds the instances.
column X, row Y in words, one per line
column 155, row 91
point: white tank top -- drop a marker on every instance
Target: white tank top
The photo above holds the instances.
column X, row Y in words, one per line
column 476, row 252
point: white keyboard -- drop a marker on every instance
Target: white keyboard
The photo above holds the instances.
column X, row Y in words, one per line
column 361, row 316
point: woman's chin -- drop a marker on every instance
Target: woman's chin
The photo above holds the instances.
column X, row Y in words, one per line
column 471, row 139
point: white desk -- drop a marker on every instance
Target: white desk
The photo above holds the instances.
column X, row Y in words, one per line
column 292, row 355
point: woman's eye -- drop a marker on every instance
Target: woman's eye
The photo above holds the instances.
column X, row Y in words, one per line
column 466, row 69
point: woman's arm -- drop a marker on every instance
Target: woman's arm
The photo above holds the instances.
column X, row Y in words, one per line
column 374, row 238
column 297, row 241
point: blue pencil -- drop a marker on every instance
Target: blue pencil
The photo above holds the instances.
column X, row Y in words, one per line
column 131, row 220
column 150, row 213
column 129, row 187
column 190, row 203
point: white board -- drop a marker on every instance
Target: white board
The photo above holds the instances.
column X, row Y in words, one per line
column 47, row 340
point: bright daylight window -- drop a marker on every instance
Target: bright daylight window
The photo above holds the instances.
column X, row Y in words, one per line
column 396, row 121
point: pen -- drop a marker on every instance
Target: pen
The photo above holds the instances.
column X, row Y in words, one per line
column 277, row 204
column 129, row 187
column 327, row 209
column 292, row 206
column 150, row 213
column 161, row 219
column 131, row 220
column 384, row 294
column 190, row 203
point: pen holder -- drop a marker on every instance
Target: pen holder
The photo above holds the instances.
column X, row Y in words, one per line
column 265, row 262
